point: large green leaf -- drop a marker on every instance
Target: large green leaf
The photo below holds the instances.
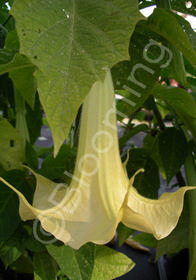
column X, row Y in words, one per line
column 165, row 24
column 11, row 146
column 173, row 150
column 44, row 267
column 76, row 264
column 72, row 44
column 110, row 264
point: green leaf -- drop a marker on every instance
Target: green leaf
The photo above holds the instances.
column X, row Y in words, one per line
column 123, row 233
column 9, row 217
column 185, row 24
column 13, row 248
column 34, row 245
column 11, row 146
column 173, row 150
column 182, row 102
column 31, row 156
column 23, row 264
column 178, row 72
column 110, row 264
column 21, row 72
column 178, row 238
column 76, row 264
column 151, row 144
column 189, row 68
column 147, row 183
column 43, row 152
column 165, row 24
column 54, row 168
column 44, row 267
column 12, row 41
column 135, row 79
column 72, row 44
column 145, row 239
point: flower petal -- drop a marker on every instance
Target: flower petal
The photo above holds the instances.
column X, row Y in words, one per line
column 158, row 217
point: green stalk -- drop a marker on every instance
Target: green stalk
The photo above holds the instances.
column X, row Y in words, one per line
column 190, row 171
column 21, row 124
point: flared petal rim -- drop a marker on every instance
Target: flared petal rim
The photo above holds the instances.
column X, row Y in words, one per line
column 158, row 217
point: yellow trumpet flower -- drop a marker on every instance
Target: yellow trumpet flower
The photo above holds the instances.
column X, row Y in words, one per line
column 100, row 194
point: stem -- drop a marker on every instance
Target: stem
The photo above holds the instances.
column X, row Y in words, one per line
column 163, row 4
column 190, row 171
column 158, row 117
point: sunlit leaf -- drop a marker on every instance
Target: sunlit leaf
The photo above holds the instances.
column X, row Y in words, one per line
column 110, row 264
column 72, row 44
